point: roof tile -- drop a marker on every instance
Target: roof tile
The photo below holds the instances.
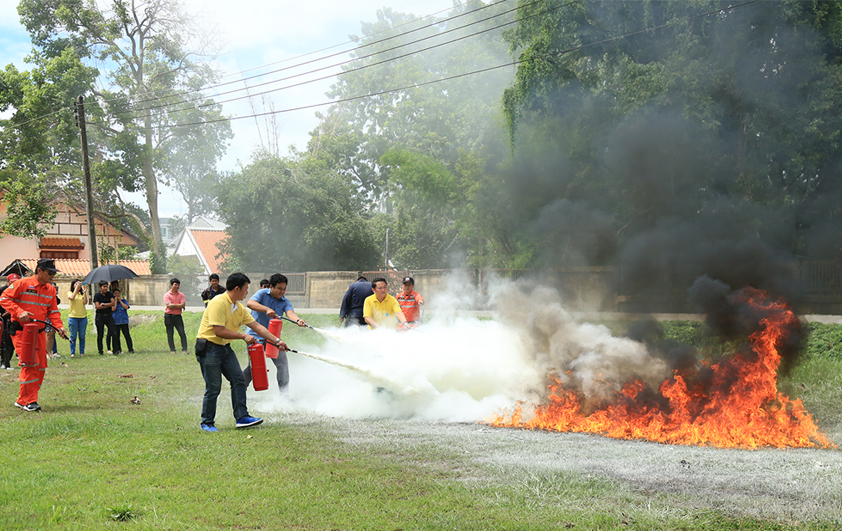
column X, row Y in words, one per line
column 209, row 243
column 53, row 242
column 80, row 268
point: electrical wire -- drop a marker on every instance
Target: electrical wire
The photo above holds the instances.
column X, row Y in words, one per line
column 342, row 52
column 483, row 70
column 409, row 54
column 434, row 23
column 558, row 53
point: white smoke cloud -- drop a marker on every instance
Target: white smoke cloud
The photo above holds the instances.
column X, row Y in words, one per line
column 457, row 367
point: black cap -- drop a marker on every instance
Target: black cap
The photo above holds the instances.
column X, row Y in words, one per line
column 47, row 264
column 408, row 280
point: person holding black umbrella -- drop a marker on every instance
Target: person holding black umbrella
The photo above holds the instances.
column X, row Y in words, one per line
column 104, row 302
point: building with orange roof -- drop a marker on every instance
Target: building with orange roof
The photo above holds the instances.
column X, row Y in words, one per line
column 202, row 240
column 66, row 238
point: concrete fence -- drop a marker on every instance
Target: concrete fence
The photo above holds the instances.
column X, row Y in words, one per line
column 583, row 289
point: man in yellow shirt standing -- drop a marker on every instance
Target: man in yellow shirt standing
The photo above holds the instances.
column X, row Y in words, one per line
column 381, row 309
column 219, row 327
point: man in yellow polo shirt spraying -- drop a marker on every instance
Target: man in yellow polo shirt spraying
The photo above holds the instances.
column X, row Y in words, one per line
column 381, row 309
column 220, row 325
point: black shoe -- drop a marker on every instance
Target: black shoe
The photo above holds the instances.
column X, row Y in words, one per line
column 117, row 353
column 100, row 353
column 131, row 352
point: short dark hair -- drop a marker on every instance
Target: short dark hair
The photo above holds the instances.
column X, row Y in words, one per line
column 264, row 282
column 376, row 280
column 361, row 277
column 73, row 284
column 103, row 283
column 236, row 280
column 117, row 289
column 278, row 278
column 213, row 276
column 174, row 281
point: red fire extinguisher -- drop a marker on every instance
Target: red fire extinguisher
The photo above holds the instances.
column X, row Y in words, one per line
column 28, row 357
column 259, row 372
column 275, row 326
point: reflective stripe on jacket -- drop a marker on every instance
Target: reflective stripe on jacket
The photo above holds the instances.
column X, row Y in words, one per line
column 27, row 295
column 410, row 305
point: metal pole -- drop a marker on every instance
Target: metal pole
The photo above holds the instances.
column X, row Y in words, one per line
column 89, row 199
column 386, row 253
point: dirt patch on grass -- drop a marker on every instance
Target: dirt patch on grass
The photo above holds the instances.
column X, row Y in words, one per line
column 796, row 486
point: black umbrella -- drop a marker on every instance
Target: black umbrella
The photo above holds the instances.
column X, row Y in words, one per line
column 109, row 272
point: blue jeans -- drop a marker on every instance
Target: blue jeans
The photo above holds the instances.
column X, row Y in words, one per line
column 221, row 361
column 78, row 326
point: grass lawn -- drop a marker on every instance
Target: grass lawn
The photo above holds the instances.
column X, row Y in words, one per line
column 95, row 460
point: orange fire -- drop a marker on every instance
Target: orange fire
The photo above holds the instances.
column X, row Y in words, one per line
column 735, row 405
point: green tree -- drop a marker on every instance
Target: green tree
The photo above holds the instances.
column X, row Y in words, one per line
column 292, row 215
column 28, row 206
column 139, row 102
column 438, row 120
column 733, row 83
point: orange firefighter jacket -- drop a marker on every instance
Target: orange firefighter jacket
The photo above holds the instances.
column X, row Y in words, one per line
column 27, row 295
column 410, row 305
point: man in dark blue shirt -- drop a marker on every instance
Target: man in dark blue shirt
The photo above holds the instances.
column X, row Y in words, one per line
column 352, row 303
column 213, row 290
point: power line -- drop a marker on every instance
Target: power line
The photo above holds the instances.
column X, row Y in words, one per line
column 361, row 58
column 434, row 23
column 348, row 50
column 249, row 95
column 474, row 72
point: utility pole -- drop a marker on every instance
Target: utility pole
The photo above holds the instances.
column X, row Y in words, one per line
column 86, row 168
column 386, row 252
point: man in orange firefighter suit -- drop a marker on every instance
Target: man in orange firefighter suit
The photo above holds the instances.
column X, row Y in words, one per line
column 33, row 298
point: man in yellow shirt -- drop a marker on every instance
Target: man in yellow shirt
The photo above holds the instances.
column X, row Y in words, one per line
column 381, row 309
column 219, row 327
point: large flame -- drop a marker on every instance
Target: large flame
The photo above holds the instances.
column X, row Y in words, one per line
column 732, row 403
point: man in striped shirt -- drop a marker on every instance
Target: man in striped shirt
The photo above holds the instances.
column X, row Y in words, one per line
column 410, row 302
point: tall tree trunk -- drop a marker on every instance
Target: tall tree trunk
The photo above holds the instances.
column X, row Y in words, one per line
column 152, row 188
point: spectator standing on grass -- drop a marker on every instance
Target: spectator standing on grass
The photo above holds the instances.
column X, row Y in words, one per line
column 410, row 302
column 33, row 298
column 77, row 317
column 7, row 349
column 174, row 303
column 213, row 290
column 121, row 323
column 104, row 303
column 351, row 312
column 52, row 346
column 219, row 327
column 270, row 303
column 381, row 309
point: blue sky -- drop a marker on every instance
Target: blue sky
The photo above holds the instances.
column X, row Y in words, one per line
column 251, row 33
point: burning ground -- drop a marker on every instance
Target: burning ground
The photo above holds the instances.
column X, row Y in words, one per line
column 534, row 366
column 431, row 387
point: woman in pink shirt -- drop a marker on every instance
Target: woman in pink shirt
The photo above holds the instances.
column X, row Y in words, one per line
column 174, row 303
